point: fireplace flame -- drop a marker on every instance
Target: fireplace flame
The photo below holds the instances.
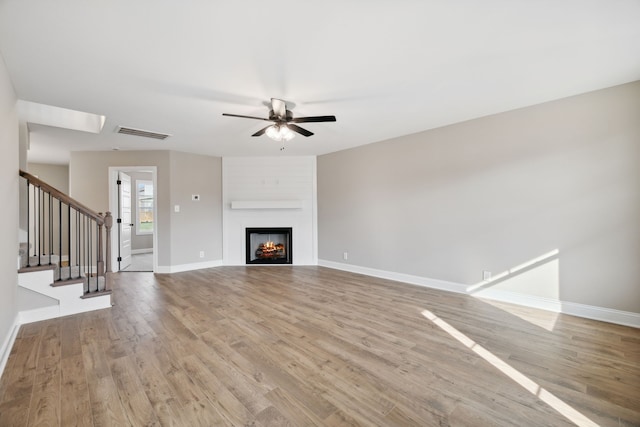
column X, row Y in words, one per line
column 271, row 250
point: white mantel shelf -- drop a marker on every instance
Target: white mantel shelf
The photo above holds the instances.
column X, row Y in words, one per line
column 266, row 204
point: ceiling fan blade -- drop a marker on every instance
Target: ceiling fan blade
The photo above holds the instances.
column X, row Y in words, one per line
column 300, row 130
column 315, row 119
column 246, row 117
column 261, row 131
column 279, row 107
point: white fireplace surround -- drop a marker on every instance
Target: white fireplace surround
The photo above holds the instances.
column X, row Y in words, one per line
column 276, row 192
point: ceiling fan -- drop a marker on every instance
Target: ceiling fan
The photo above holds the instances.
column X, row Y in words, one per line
column 284, row 123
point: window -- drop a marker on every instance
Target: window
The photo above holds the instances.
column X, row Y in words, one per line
column 144, row 207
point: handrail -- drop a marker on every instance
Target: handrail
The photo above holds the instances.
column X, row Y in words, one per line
column 63, row 197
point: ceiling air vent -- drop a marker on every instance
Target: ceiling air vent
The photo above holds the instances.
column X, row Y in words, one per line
column 143, row 133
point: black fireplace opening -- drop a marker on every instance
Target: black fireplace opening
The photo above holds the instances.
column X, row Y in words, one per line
column 269, row 245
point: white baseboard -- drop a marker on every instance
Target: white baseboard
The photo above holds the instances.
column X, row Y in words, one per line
column 603, row 314
column 399, row 277
column 626, row 318
column 188, row 267
column 141, row 251
column 7, row 345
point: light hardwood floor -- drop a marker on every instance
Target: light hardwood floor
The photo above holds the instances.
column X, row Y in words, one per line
column 273, row 346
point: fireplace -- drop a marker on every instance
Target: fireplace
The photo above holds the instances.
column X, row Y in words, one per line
column 269, row 245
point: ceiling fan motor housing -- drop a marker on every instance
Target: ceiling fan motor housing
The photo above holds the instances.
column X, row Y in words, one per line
column 275, row 118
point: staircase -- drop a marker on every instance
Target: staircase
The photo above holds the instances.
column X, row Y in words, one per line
column 62, row 256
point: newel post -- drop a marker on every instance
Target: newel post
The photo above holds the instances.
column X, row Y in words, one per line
column 100, row 260
column 108, row 223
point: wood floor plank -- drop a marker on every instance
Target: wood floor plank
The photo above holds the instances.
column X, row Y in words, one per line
column 160, row 394
column 268, row 362
column 310, row 346
column 106, row 408
column 238, row 363
column 197, row 410
column 288, row 406
column 20, row 372
column 45, row 401
column 219, row 396
column 134, row 400
column 70, row 344
column 244, row 388
column 14, row 413
column 75, row 405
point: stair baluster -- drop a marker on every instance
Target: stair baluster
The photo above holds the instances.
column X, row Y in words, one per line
column 60, row 235
column 69, row 259
column 28, row 227
column 50, row 231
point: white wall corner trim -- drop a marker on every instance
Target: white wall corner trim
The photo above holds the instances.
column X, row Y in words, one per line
column 7, row 345
column 162, row 269
column 575, row 309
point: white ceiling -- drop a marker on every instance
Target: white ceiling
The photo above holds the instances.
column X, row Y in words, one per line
column 384, row 68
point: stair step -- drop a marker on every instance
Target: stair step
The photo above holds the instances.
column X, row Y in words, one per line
column 68, row 282
column 37, row 268
column 96, row 294
column 44, row 260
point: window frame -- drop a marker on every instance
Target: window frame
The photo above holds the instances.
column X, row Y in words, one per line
column 151, row 208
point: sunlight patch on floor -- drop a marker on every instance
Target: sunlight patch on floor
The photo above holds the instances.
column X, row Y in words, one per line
column 525, row 382
column 541, row 318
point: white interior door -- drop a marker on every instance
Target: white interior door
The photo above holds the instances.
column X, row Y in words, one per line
column 125, row 223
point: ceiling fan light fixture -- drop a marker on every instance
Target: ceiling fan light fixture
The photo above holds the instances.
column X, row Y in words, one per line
column 280, row 132
column 284, row 126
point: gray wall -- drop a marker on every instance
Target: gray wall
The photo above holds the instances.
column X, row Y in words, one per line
column 88, row 176
column 9, row 141
column 496, row 192
column 56, row 175
column 198, row 225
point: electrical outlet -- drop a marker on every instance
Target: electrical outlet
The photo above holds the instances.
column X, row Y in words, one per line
column 345, row 256
column 201, row 254
column 176, row 208
column 486, row 275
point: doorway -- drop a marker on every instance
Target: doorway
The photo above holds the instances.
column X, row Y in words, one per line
column 123, row 221
column 132, row 201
